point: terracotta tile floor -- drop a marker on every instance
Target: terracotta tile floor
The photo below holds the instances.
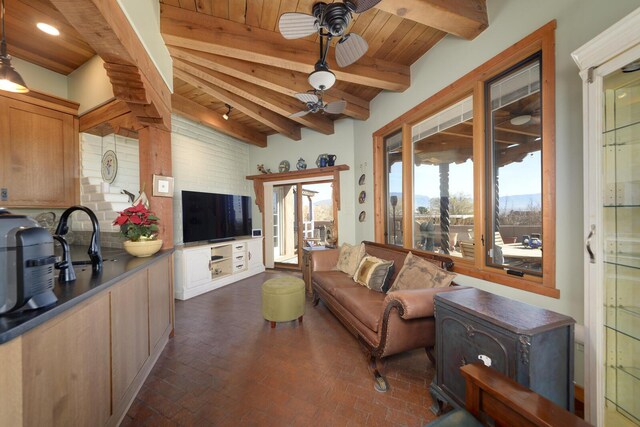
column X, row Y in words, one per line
column 226, row 366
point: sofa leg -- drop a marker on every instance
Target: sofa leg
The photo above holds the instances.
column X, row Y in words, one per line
column 429, row 351
column 315, row 299
column 380, row 382
column 273, row 325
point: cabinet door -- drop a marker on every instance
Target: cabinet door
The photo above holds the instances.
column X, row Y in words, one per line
column 197, row 267
column 66, row 369
column 463, row 342
column 160, row 300
column 254, row 253
column 129, row 331
column 39, row 149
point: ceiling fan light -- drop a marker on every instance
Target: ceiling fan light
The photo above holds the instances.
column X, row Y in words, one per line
column 520, row 120
column 322, row 79
column 10, row 80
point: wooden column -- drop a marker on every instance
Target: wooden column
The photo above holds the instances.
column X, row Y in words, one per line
column 155, row 159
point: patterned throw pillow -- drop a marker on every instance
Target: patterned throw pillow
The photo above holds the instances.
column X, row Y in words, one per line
column 373, row 273
column 349, row 258
column 418, row 273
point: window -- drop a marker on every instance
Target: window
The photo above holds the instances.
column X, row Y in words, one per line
column 443, row 179
column 480, row 186
column 393, row 166
column 514, row 163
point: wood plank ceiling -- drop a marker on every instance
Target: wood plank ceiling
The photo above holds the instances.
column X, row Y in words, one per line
column 231, row 52
column 62, row 54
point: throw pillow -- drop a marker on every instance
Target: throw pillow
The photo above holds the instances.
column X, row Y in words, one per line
column 373, row 272
column 417, row 273
column 349, row 258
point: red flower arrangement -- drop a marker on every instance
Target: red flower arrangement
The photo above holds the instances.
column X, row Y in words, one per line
column 137, row 222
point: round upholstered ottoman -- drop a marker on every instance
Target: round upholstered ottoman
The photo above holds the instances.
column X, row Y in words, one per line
column 283, row 299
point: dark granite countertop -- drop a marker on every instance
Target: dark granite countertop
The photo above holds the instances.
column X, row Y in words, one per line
column 117, row 265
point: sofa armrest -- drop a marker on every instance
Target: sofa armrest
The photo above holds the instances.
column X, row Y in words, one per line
column 416, row 303
column 324, row 260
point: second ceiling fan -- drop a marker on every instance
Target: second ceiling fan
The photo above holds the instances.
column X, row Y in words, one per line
column 329, row 21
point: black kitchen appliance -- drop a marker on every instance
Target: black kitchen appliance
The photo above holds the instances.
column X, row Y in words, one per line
column 26, row 264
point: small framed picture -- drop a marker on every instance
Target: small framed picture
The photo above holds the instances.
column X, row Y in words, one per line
column 162, row 186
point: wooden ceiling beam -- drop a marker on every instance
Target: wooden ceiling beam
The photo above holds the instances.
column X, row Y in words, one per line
column 104, row 26
column 196, row 112
column 265, row 116
column 463, row 18
column 186, row 29
column 283, row 81
column 276, row 102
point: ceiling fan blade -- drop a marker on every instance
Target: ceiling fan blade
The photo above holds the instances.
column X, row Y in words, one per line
column 295, row 25
column 299, row 114
column 364, row 5
column 349, row 49
column 307, row 97
column 335, row 107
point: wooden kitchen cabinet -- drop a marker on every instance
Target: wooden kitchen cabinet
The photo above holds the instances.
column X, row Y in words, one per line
column 129, row 331
column 160, row 301
column 66, row 369
column 85, row 366
column 39, row 151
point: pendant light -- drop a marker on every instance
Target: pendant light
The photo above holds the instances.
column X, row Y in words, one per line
column 10, row 80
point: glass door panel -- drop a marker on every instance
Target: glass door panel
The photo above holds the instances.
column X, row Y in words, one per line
column 621, row 218
column 285, row 224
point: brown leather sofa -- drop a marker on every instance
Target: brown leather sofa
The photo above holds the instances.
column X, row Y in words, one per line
column 385, row 324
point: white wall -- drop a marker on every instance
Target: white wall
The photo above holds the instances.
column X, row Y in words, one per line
column 89, row 85
column 144, row 16
column 208, row 161
column 106, row 202
column 41, row 79
column 313, row 144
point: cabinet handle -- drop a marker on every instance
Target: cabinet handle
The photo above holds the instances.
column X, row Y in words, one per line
column 239, row 257
column 592, row 257
column 463, row 361
column 249, row 256
column 239, row 266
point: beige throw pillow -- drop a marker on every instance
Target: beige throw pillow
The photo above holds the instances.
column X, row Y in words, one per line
column 349, row 258
column 418, row 273
column 373, row 272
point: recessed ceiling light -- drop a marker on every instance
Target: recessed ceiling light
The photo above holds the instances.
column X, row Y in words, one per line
column 622, row 95
column 49, row 29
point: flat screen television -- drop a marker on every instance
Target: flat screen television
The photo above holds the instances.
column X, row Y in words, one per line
column 214, row 217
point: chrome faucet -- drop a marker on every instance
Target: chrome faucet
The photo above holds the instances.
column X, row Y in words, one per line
column 94, row 248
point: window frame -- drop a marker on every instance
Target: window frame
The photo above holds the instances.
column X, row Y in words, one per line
column 473, row 83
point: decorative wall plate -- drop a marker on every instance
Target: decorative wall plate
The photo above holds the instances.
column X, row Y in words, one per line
column 362, row 197
column 109, row 166
column 361, row 180
column 362, row 216
column 284, row 166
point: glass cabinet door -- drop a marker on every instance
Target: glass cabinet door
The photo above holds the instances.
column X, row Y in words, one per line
column 621, row 244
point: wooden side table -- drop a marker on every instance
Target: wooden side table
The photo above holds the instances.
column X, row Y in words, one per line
column 306, row 265
column 530, row 345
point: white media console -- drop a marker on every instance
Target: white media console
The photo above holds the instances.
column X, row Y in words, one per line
column 203, row 268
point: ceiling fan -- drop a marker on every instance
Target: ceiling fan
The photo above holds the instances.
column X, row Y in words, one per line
column 314, row 104
column 329, row 21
